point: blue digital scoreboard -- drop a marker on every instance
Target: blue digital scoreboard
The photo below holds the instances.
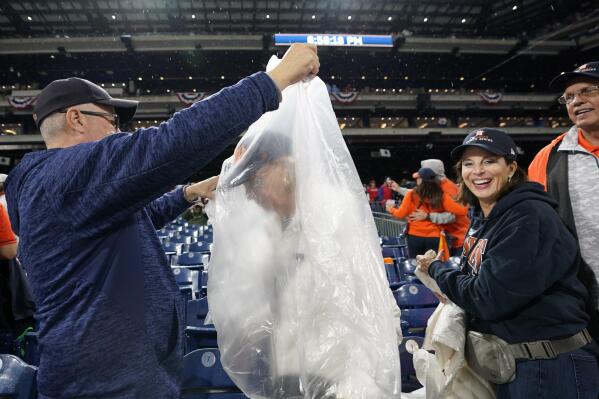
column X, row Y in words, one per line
column 334, row 40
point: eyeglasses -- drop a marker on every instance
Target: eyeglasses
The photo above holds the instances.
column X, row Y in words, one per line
column 114, row 121
column 587, row 92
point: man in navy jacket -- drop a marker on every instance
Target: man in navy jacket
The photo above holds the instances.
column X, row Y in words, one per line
column 86, row 210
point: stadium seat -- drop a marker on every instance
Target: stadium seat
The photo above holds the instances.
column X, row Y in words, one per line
column 190, row 231
column 183, row 239
column 206, row 237
column 199, row 246
column 408, row 375
column 417, row 318
column 407, row 266
column 204, row 377
column 392, row 252
column 417, row 303
column 203, row 283
column 393, row 275
column 187, row 280
column 415, row 295
column 17, row 378
column 185, row 276
column 197, row 334
column 171, row 248
column 188, row 259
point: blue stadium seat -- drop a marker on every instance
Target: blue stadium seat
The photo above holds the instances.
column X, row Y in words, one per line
column 199, row 246
column 17, row 378
column 408, row 374
column 190, row 231
column 417, row 318
column 204, row 377
column 410, row 279
column 185, row 276
column 203, row 283
column 407, row 266
column 415, row 295
column 183, row 239
column 393, row 275
column 392, row 252
column 206, row 237
column 197, row 334
column 171, row 248
column 417, row 303
column 188, row 259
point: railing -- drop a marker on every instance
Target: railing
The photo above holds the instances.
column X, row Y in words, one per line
column 387, row 225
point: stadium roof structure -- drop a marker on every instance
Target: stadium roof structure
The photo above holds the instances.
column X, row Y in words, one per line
column 430, row 18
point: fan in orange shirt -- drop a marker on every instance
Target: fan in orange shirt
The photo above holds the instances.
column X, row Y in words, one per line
column 427, row 197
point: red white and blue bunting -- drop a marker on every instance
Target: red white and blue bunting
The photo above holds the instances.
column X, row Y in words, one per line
column 344, row 97
column 21, row 102
column 491, row 97
column 190, row 98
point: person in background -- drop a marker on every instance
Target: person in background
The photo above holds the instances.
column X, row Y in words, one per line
column 372, row 190
column 568, row 167
column 456, row 228
column 426, row 198
column 8, row 241
column 10, row 298
column 2, row 195
column 518, row 276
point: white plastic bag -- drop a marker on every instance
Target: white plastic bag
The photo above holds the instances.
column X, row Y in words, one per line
column 297, row 288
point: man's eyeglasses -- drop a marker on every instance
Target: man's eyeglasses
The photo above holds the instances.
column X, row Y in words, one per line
column 587, row 92
column 114, row 121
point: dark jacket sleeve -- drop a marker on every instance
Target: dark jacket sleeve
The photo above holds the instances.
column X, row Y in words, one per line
column 98, row 184
column 167, row 207
column 519, row 265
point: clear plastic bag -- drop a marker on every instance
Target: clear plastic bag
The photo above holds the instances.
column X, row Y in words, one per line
column 297, row 288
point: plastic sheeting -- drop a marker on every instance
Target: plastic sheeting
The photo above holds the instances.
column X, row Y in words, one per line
column 297, row 289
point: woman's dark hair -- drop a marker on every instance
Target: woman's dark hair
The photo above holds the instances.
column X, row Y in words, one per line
column 430, row 191
column 466, row 197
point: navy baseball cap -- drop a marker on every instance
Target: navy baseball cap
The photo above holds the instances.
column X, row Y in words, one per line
column 426, row 174
column 64, row 93
column 589, row 70
column 493, row 140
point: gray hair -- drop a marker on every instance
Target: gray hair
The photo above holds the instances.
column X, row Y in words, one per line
column 52, row 125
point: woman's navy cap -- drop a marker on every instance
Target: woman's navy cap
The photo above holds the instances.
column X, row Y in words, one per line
column 427, row 174
column 493, row 140
column 64, row 93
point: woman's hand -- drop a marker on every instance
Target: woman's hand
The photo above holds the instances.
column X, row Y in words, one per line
column 424, row 261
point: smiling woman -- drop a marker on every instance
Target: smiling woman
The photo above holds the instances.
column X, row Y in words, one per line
column 518, row 278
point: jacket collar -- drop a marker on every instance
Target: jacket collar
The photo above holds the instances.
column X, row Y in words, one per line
column 570, row 141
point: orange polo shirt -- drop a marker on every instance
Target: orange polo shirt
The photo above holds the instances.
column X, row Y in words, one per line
column 584, row 143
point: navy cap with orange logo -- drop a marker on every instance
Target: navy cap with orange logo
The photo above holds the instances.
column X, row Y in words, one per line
column 589, row 70
column 495, row 141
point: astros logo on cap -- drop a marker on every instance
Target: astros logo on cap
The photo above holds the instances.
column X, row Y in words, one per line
column 585, row 68
column 480, row 135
